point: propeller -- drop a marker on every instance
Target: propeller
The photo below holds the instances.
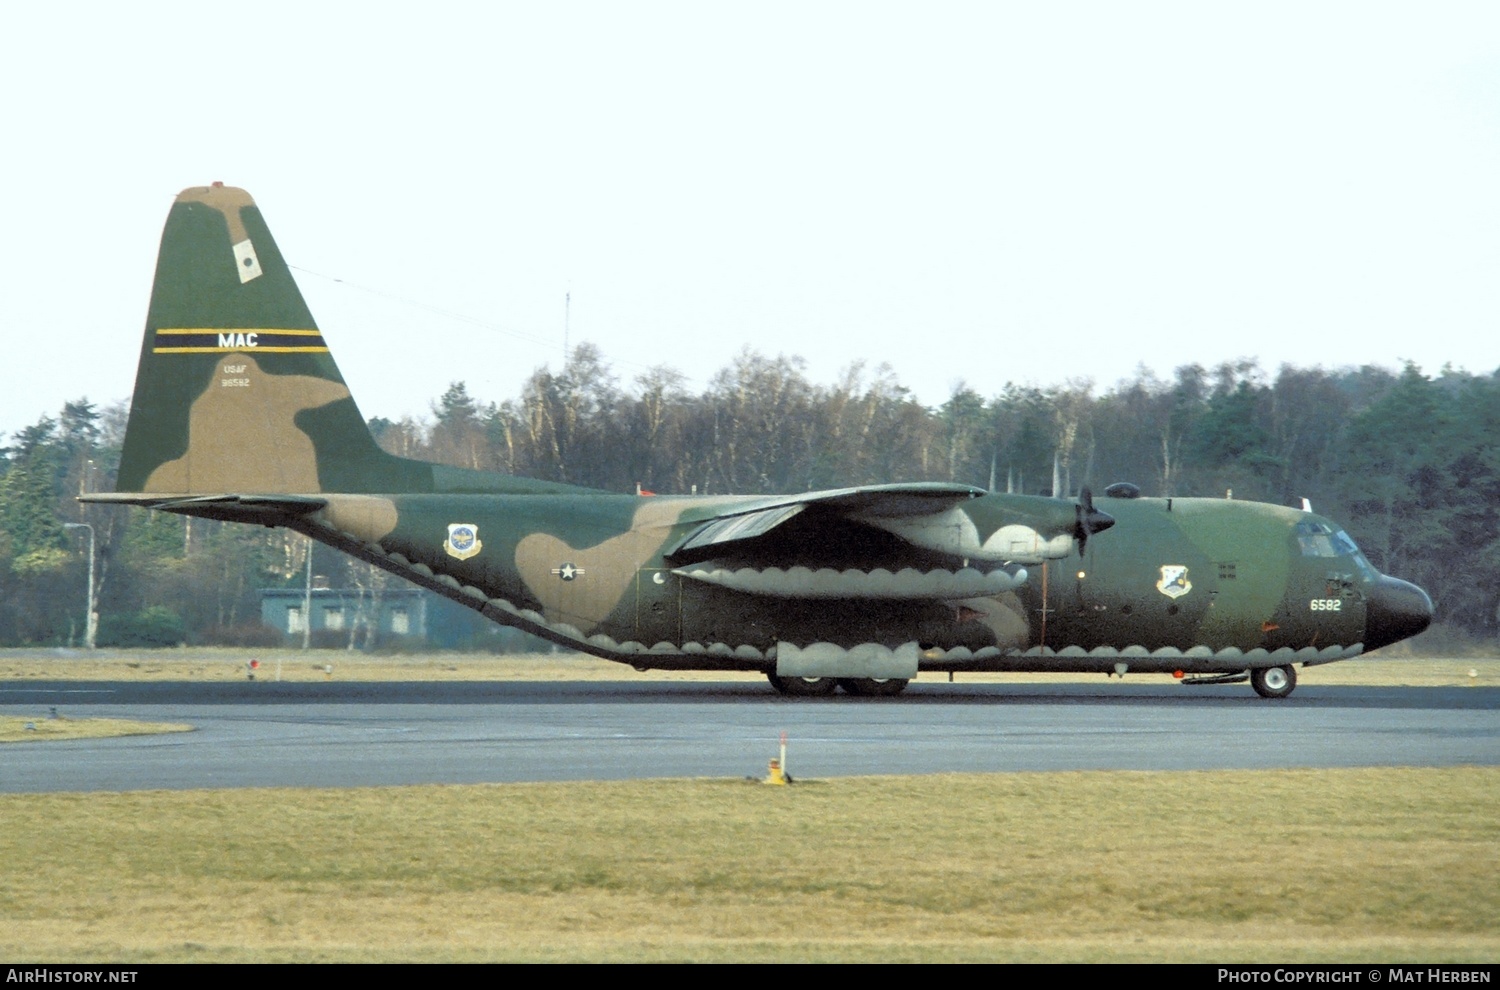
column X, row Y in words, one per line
column 1090, row 520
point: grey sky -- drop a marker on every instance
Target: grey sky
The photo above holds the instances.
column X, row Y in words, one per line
column 985, row 192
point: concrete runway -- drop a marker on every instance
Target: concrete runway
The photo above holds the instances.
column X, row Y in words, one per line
column 366, row 734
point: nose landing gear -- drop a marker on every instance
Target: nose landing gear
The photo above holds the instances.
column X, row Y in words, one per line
column 1273, row 682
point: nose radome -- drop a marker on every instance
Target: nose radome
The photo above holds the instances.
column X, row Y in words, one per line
column 1397, row 610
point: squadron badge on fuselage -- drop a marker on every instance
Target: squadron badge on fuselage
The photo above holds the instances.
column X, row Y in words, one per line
column 1174, row 581
column 463, row 540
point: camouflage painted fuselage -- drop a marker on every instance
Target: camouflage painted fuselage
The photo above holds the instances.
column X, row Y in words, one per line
column 1192, row 584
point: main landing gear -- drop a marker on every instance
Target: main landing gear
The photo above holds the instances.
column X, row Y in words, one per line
column 803, row 687
column 819, row 687
column 873, row 687
column 1273, row 682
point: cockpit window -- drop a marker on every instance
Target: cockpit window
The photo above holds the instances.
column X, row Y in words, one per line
column 1346, row 546
column 1318, row 539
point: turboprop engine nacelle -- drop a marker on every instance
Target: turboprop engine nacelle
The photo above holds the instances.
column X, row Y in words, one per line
column 1016, row 529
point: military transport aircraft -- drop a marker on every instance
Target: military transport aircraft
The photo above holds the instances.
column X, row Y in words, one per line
column 240, row 414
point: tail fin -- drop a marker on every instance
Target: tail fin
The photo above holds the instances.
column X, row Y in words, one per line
column 236, row 390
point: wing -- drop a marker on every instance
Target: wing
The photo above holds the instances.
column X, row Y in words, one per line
column 913, row 541
column 755, row 518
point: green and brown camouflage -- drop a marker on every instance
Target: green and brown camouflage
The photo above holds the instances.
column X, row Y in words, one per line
column 240, row 414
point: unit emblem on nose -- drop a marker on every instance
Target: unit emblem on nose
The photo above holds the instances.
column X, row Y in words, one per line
column 463, row 540
column 1174, row 581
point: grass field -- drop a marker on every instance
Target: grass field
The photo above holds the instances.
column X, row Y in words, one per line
column 1365, row 865
column 14, row 728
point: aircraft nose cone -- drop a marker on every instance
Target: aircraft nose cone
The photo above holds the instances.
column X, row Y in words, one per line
column 1397, row 610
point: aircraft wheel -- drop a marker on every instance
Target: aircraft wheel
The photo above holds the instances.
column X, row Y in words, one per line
column 803, row 687
column 873, row 687
column 1273, row 682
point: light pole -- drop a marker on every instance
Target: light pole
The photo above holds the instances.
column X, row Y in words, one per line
column 307, row 600
column 91, row 624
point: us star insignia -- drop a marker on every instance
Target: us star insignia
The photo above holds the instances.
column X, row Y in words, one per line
column 568, row 572
column 463, row 540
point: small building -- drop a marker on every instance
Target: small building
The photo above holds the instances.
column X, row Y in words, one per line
column 393, row 612
column 399, row 611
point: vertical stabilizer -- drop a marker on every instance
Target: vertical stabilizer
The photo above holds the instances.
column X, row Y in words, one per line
column 236, row 390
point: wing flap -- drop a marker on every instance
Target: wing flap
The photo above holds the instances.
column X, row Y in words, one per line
column 728, row 531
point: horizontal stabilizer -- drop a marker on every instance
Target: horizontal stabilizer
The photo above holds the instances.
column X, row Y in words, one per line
column 229, row 508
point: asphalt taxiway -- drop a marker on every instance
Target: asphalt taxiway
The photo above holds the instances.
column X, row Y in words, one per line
column 265, row 734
